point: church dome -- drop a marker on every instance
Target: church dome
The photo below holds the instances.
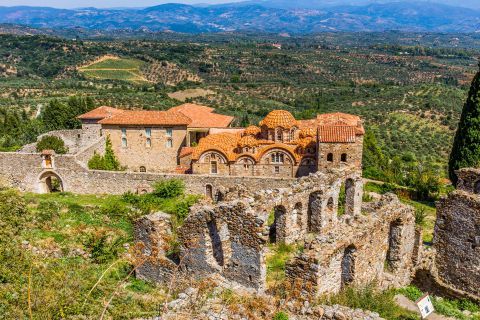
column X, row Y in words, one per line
column 252, row 130
column 247, row 141
column 279, row 118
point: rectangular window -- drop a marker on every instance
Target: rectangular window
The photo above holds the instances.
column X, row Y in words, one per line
column 169, row 143
column 149, row 142
column 148, row 132
column 124, row 137
column 213, row 167
column 169, row 132
column 277, row 169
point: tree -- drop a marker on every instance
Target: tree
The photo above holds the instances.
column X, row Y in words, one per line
column 106, row 162
column 466, row 145
column 52, row 143
column 374, row 161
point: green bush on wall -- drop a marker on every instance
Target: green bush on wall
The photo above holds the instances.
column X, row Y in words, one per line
column 52, row 143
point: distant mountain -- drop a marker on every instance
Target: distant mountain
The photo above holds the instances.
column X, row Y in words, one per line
column 256, row 16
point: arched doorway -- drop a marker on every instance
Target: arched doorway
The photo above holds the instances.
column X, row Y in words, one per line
column 277, row 231
column 393, row 257
column 209, row 191
column 49, row 182
column 315, row 211
column 348, row 265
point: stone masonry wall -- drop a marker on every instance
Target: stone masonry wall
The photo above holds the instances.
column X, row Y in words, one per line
column 457, row 243
column 359, row 250
column 24, row 169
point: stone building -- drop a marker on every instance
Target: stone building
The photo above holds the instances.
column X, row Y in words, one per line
column 283, row 146
column 153, row 141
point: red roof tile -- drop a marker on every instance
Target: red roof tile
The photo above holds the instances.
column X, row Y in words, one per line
column 144, row 117
column 203, row 117
column 100, row 113
column 185, row 151
column 336, row 134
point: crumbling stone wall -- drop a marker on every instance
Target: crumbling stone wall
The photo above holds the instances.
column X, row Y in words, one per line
column 457, row 237
column 357, row 250
column 152, row 234
column 377, row 244
column 226, row 240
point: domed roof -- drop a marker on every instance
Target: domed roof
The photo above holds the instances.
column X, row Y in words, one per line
column 279, row 118
column 252, row 130
column 247, row 141
column 308, row 132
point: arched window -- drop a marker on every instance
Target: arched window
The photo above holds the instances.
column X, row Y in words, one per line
column 278, row 157
column 343, row 157
column 292, row 134
column 330, row 157
column 279, row 135
column 209, row 191
column 143, row 169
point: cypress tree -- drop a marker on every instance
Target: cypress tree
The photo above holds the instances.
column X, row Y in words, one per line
column 466, row 146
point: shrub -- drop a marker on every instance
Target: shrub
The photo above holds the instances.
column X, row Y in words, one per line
column 280, row 316
column 169, row 189
column 420, row 215
column 107, row 162
column 52, row 143
column 102, row 247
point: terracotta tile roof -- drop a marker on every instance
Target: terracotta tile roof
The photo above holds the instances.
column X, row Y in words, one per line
column 248, row 141
column 203, row 117
column 185, row 151
column 339, row 134
column 100, row 113
column 252, row 130
column 224, row 143
column 150, row 118
column 334, row 119
column 48, row 152
column 279, row 118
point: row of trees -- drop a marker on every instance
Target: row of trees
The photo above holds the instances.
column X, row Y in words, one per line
column 19, row 129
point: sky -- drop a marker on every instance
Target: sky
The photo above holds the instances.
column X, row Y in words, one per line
column 101, row 3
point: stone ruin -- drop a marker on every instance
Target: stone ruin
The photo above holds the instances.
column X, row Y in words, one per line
column 228, row 240
column 452, row 266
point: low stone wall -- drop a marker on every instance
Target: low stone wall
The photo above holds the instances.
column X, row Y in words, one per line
column 23, row 170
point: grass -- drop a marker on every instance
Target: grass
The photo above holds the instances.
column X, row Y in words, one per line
column 76, row 258
column 447, row 307
column 279, row 254
column 368, row 298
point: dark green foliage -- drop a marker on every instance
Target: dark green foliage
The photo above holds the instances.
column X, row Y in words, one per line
column 466, row 146
column 52, row 143
column 107, row 162
column 169, row 189
column 420, row 215
column 58, row 115
column 373, row 158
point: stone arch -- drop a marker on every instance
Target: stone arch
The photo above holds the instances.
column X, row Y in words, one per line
column 348, row 265
column 209, row 191
column 50, row 181
column 219, row 196
column 314, row 213
column 393, row 256
column 330, row 207
column 288, row 158
column 143, row 169
column 476, row 187
column 217, row 240
column 298, row 210
column 277, row 232
column 212, row 155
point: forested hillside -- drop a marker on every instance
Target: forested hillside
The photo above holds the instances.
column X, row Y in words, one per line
column 409, row 94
